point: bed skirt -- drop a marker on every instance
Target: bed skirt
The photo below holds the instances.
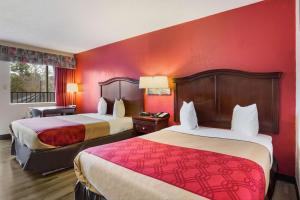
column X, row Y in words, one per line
column 51, row 160
column 82, row 193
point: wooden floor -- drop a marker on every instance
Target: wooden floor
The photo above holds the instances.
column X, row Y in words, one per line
column 16, row 184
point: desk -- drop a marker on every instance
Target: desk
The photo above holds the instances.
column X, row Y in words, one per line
column 52, row 110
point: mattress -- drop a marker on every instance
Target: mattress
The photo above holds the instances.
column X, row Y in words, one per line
column 53, row 132
column 114, row 181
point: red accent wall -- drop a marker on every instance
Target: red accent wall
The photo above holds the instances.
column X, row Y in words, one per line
column 258, row 37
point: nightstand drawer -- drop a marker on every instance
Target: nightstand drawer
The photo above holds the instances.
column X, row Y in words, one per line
column 144, row 128
column 144, row 122
column 144, row 125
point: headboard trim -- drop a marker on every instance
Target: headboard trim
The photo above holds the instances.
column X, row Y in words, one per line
column 264, row 75
column 130, row 80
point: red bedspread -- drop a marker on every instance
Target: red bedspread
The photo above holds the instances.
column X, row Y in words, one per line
column 55, row 131
column 208, row 174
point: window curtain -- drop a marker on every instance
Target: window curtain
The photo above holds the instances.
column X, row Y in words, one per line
column 13, row 54
column 62, row 77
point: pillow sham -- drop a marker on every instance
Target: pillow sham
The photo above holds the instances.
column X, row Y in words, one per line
column 102, row 106
column 119, row 108
column 245, row 120
column 188, row 116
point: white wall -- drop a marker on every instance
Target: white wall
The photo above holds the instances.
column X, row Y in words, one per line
column 10, row 112
column 297, row 95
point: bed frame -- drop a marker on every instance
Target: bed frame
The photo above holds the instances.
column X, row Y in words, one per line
column 215, row 93
column 126, row 89
column 50, row 160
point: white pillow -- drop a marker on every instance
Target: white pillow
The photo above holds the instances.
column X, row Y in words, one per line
column 102, row 106
column 119, row 108
column 188, row 116
column 245, row 120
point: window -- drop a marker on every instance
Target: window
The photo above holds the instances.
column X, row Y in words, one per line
column 31, row 83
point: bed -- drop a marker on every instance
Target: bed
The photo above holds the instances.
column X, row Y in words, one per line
column 209, row 162
column 49, row 144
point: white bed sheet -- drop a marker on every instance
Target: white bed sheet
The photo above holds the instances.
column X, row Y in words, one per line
column 261, row 139
column 116, row 125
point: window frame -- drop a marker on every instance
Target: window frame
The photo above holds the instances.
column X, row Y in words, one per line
column 43, row 96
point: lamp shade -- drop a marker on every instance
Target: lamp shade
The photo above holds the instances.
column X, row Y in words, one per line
column 160, row 82
column 72, row 87
column 154, row 82
column 145, row 81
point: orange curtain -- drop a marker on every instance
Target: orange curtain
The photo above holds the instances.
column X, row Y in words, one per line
column 63, row 76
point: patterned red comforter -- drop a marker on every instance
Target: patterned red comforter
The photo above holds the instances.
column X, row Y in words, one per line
column 208, row 174
column 55, row 131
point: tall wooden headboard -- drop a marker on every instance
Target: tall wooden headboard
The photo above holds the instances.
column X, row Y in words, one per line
column 126, row 89
column 216, row 92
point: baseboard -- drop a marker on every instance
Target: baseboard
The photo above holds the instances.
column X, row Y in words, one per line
column 5, row 137
column 297, row 189
column 289, row 179
column 286, row 178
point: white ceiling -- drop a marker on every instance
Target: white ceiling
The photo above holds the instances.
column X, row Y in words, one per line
column 78, row 25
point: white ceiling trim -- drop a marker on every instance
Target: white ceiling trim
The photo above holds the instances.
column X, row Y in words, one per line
column 79, row 25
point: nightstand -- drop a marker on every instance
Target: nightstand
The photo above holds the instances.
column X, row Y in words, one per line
column 144, row 125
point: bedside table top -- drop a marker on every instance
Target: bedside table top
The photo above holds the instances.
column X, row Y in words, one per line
column 147, row 118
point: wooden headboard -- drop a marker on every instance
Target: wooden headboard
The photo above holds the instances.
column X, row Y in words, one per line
column 126, row 89
column 216, row 92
